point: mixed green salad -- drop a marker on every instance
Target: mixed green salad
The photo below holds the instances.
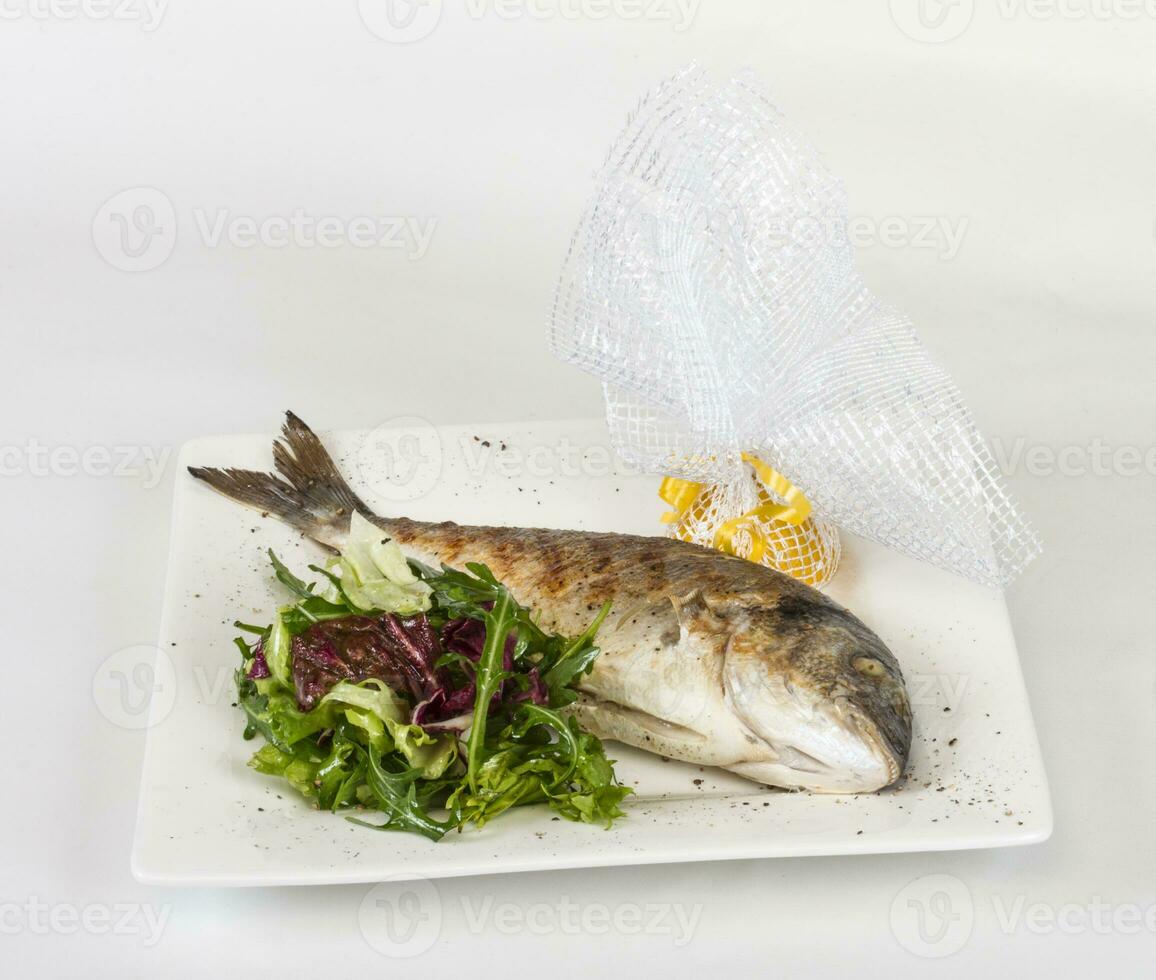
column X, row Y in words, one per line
column 429, row 696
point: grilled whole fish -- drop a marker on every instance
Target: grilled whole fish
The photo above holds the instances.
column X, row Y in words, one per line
column 705, row 658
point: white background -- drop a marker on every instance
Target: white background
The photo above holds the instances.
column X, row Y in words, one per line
column 1030, row 125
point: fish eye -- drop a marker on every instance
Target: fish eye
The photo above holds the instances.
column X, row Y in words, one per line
column 869, row 666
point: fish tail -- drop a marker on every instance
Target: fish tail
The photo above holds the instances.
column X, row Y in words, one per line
column 307, row 492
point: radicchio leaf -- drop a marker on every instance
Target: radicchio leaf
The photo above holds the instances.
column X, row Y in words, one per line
column 399, row 651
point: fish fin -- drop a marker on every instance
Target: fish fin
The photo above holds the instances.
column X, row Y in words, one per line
column 307, row 493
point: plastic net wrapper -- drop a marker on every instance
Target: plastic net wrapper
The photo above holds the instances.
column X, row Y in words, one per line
column 711, row 287
column 764, row 519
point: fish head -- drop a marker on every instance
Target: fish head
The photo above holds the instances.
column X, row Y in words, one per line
column 823, row 692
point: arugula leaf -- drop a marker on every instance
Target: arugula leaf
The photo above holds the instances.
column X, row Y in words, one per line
column 397, row 794
column 298, row 618
column 490, row 674
column 564, row 751
column 542, row 757
column 467, row 594
column 358, row 745
column 288, row 579
column 576, row 659
column 459, row 594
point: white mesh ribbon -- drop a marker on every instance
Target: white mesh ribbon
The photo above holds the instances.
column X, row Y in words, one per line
column 712, row 288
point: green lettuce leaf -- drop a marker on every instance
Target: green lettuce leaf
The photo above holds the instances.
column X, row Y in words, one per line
column 329, row 778
column 357, row 747
column 372, row 573
column 431, row 755
column 542, row 757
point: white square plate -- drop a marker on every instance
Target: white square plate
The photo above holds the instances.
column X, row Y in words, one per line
column 976, row 778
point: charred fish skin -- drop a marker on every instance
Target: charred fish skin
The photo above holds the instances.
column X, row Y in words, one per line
column 705, row 657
